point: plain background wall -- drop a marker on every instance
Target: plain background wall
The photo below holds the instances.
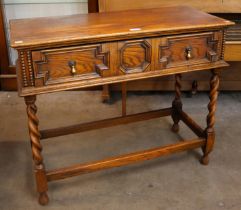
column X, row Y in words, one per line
column 17, row 9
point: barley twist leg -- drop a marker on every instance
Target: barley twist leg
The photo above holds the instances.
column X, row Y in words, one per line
column 177, row 103
column 210, row 133
column 36, row 146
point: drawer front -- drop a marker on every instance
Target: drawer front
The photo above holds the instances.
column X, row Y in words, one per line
column 69, row 64
column 183, row 50
column 81, row 66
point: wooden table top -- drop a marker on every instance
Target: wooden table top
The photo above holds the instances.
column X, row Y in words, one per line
column 100, row 27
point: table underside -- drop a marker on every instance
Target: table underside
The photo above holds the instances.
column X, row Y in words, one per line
column 205, row 137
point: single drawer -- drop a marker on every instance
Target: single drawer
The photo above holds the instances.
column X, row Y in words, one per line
column 69, row 64
column 183, row 50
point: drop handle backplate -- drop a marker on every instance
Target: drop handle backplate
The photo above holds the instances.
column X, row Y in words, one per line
column 188, row 52
column 72, row 65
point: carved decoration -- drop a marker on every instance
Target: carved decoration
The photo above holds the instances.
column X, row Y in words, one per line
column 23, row 68
column 26, row 68
column 52, row 66
column 212, row 44
column 135, row 56
column 30, row 69
column 223, row 44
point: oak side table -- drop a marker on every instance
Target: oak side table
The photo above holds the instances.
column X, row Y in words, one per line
column 69, row 52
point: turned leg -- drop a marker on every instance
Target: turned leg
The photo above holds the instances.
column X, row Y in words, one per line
column 106, row 94
column 210, row 133
column 40, row 174
column 176, row 104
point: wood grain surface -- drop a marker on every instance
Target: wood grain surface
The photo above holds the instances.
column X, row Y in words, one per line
column 109, row 26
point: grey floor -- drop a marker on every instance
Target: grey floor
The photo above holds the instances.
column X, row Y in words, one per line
column 177, row 182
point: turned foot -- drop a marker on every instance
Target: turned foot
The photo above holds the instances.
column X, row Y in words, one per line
column 205, row 160
column 175, row 128
column 43, row 199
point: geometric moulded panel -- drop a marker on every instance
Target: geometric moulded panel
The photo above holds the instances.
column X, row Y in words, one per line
column 135, row 56
column 69, row 64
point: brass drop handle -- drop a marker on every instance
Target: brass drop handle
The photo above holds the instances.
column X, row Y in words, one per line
column 188, row 52
column 72, row 65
